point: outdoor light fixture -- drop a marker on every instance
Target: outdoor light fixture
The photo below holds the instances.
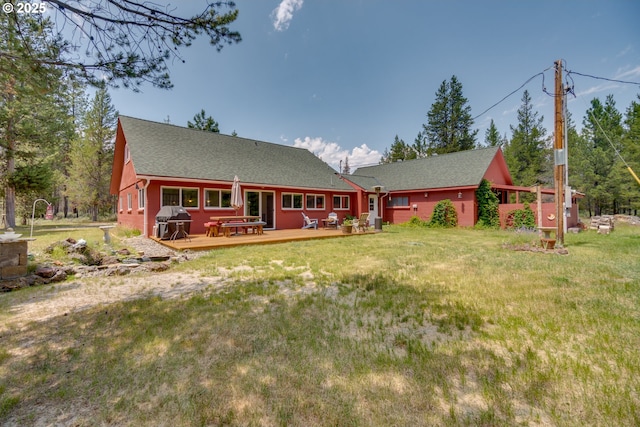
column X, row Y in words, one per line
column 426, row 195
column 459, row 194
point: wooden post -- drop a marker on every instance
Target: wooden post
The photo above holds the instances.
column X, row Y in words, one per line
column 559, row 157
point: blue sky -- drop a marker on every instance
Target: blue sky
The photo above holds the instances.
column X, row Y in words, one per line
column 343, row 78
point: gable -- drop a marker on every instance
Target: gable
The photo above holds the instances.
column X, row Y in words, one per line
column 460, row 169
column 169, row 151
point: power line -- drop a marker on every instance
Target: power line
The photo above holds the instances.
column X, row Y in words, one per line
column 521, row 86
column 569, row 72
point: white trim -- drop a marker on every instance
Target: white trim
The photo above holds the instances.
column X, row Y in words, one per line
column 180, row 196
column 219, row 191
column 342, row 198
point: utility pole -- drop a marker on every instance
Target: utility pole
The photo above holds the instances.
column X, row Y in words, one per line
column 559, row 154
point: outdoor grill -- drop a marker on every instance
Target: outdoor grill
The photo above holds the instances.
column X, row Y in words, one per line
column 167, row 220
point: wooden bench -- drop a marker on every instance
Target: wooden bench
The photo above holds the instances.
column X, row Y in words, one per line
column 255, row 226
column 212, row 228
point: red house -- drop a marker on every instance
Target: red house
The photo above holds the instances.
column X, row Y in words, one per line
column 159, row 164
column 397, row 191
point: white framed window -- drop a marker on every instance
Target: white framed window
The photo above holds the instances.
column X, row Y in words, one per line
column 315, row 201
column 127, row 154
column 176, row 196
column 341, row 202
column 120, row 203
column 398, row 201
column 217, row 198
column 140, row 198
column 129, row 201
column 291, row 201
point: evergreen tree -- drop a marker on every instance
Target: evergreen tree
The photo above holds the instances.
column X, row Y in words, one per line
column 449, row 121
column 528, row 151
column 203, row 122
column 33, row 117
column 400, row 151
column 630, row 190
column 420, row 146
column 346, row 170
column 492, row 136
column 602, row 130
column 91, row 157
column 124, row 42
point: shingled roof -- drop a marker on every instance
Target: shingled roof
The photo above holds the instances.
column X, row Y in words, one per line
column 165, row 150
column 464, row 168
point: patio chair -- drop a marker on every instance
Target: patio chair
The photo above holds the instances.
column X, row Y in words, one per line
column 361, row 223
column 308, row 222
column 331, row 221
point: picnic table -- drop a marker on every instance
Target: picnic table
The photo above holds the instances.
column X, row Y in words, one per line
column 244, row 222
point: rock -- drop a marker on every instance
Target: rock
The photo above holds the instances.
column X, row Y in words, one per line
column 46, row 272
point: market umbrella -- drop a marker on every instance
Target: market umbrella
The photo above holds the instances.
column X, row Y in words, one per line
column 236, row 195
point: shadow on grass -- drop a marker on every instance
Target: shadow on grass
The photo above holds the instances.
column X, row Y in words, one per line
column 364, row 351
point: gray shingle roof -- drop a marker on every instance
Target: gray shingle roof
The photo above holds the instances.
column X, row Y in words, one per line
column 160, row 149
column 464, row 168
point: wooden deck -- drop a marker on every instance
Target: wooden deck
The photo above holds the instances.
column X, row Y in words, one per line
column 200, row 242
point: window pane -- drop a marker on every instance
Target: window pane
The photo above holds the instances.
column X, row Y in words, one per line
column 212, row 198
column 226, row 199
column 190, row 198
column 297, row 201
column 310, row 202
column 287, row 200
column 336, row 202
column 170, row 197
column 320, row 202
column 345, row 202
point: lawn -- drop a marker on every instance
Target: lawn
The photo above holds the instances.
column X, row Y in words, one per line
column 407, row 327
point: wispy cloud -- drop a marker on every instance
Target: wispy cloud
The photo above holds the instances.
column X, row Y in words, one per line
column 633, row 73
column 332, row 153
column 283, row 14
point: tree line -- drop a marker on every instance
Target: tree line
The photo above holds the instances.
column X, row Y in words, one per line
column 56, row 142
column 599, row 154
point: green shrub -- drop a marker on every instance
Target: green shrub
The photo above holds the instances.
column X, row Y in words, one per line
column 488, row 213
column 415, row 221
column 444, row 214
column 521, row 218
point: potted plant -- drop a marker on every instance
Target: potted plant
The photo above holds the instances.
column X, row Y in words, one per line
column 347, row 226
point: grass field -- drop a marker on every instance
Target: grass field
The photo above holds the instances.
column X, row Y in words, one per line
column 406, row 327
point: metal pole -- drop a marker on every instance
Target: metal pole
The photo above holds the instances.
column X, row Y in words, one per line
column 559, row 155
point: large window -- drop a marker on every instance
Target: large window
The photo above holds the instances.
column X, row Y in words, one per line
column 340, row 202
column 398, row 201
column 217, row 198
column 185, row 197
column 315, row 201
column 291, row 201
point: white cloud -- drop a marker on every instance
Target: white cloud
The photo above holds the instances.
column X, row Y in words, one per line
column 332, row 153
column 283, row 14
column 628, row 74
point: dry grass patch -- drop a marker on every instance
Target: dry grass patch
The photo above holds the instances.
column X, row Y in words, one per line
column 407, row 327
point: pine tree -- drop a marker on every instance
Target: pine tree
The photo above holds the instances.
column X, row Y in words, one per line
column 346, row 169
column 602, row 129
column 91, row 156
column 492, row 136
column 449, row 121
column 33, row 117
column 400, row 151
column 203, row 122
column 528, row 150
column 631, row 154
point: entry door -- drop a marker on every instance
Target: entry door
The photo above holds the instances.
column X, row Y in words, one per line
column 261, row 204
column 373, row 208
